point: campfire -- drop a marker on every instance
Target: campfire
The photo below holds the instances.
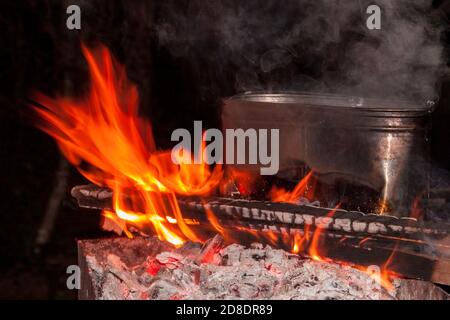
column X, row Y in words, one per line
column 202, row 231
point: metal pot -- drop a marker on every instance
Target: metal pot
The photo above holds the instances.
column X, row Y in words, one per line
column 379, row 144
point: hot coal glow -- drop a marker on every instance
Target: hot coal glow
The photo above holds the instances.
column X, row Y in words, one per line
column 111, row 145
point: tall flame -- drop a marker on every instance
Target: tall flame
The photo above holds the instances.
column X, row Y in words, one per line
column 103, row 135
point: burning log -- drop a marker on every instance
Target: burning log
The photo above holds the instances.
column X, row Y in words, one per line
column 146, row 268
column 349, row 237
column 94, row 197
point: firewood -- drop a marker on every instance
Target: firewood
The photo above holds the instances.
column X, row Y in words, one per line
column 418, row 250
column 283, row 213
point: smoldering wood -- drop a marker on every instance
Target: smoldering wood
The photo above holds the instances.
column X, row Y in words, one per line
column 406, row 259
column 94, row 197
column 146, row 268
column 415, row 256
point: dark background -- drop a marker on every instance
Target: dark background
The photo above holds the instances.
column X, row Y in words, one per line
column 37, row 52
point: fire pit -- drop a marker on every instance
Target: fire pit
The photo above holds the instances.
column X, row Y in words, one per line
column 361, row 244
column 283, row 245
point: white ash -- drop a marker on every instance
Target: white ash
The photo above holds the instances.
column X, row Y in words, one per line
column 235, row 272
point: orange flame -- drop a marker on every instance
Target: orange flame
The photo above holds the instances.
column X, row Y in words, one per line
column 215, row 222
column 385, row 274
column 363, row 241
column 244, row 182
column 314, row 248
column 301, row 189
column 299, row 241
column 103, row 135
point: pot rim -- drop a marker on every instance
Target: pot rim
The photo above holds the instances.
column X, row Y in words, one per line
column 342, row 102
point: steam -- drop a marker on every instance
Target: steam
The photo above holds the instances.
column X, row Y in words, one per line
column 311, row 45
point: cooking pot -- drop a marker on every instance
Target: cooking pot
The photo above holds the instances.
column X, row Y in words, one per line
column 380, row 144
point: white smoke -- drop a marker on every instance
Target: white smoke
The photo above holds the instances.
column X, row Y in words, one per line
column 311, row 45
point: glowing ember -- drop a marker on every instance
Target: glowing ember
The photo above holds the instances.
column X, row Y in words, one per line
column 111, row 145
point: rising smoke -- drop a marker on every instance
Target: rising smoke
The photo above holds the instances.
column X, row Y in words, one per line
column 311, row 45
